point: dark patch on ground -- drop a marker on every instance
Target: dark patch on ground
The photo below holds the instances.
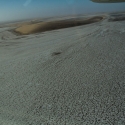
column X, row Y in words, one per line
column 117, row 17
column 56, row 53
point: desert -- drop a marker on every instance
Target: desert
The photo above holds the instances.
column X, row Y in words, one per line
column 63, row 72
column 53, row 25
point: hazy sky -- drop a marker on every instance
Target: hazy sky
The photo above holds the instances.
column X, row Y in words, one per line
column 21, row 9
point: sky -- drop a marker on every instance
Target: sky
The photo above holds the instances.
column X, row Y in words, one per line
column 29, row 9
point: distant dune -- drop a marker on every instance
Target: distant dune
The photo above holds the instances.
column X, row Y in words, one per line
column 31, row 28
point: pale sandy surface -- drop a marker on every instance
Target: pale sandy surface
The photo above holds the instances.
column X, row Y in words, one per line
column 73, row 76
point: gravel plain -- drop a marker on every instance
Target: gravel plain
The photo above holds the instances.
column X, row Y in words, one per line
column 70, row 76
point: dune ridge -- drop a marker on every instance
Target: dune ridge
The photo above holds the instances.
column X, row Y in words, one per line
column 54, row 25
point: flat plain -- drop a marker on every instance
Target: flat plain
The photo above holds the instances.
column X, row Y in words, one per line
column 63, row 72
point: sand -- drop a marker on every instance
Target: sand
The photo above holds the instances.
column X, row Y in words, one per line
column 69, row 76
column 54, row 25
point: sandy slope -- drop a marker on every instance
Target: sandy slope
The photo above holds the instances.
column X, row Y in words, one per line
column 73, row 76
column 31, row 28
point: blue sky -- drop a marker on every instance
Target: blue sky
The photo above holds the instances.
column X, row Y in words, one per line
column 23, row 9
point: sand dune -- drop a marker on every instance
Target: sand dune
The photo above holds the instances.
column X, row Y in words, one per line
column 46, row 26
